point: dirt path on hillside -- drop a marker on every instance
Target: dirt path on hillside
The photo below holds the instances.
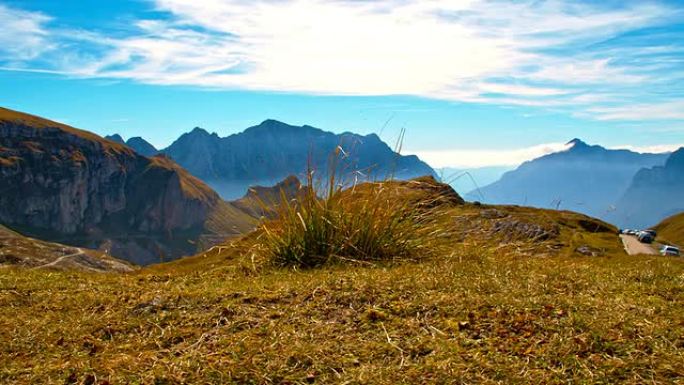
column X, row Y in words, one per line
column 60, row 259
column 634, row 247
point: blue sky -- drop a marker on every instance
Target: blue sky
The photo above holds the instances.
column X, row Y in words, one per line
column 475, row 83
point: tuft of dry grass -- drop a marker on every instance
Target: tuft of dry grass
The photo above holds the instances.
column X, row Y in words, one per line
column 371, row 222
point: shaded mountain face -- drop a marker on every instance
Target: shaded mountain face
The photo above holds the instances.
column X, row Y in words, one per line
column 583, row 178
column 116, row 138
column 67, row 185
column 269, row 152
column 141, row 146
column 654, row 193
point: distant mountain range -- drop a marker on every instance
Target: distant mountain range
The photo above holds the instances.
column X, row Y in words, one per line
column 269, row 152
column 140, row 145
column 653, row 194
column 126, row 198
column 583, row 178
column 66, row 185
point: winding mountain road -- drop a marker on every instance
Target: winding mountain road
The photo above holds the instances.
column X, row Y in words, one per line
column 634, row 247
column 60, row 259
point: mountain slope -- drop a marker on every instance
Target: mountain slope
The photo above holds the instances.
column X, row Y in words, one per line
column 18, row 250
column 583, row 178
column 521, row 296
column 671, row 229
column 654, row 193
column 71, row 186
column 271, row 151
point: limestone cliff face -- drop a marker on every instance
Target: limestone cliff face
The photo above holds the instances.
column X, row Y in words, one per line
column 63, row 183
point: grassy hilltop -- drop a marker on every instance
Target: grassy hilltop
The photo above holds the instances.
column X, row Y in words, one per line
column 499, row 295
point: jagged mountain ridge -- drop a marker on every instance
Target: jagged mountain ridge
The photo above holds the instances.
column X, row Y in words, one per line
column 584, row 178
column 269, row 152
column 67, row 185
column 653, row 194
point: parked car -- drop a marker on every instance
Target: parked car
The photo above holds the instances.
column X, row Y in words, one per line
column 652, row 232
column 630, row 232
column 645, row 237
column 670, row 250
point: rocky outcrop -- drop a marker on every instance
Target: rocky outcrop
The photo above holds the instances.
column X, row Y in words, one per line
column 61, row 183
column 262, row 201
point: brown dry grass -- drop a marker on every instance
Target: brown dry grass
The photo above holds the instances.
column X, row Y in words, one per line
column 671, row 230
column 17, row 118
column 492, row 310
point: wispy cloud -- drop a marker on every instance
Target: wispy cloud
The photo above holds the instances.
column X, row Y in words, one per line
column 531, row 53
column 650, row 149
column 23, row 35
column 473, row 158
column 672, row 110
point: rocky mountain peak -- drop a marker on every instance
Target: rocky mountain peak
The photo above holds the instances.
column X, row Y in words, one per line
column 141, row 146
column 576, row 143
column 199, row 131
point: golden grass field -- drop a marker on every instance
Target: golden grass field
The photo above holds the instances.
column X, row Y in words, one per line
column 493, row 307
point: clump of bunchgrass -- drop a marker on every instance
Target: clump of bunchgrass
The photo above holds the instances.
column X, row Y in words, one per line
column 365, row 223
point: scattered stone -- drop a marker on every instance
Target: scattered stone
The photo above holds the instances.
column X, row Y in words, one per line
column 588, row 251
column 150, row 307
column 519, row 230
column 493, row 214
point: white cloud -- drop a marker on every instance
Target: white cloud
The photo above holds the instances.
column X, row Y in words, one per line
column 585, row 72
column 475, row 158
column 650, row 149
column 429, row 48
column 527, row 53
column 672, row 110
column 472, row 158
column 23, row 35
